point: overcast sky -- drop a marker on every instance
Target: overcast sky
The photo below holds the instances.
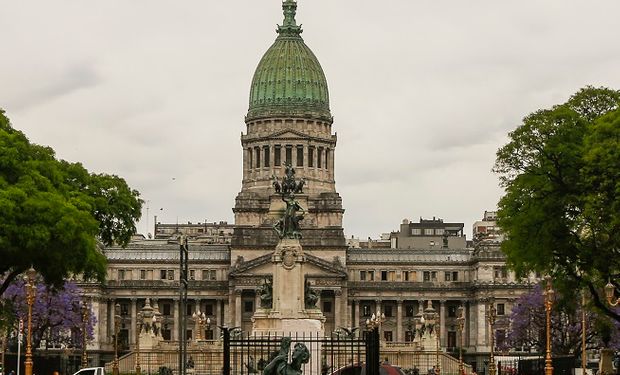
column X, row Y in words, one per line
column 423, row 93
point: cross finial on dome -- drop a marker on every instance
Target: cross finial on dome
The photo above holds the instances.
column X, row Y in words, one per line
column 289, row 25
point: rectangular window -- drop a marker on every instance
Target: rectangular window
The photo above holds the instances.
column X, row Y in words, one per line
column 448, row 276
column 124, row 309
column 427, row 276
column 248, row 306
column 409, row 311
column 392, row 276
column 142, row 274
column 250, row 158
column 388, row 311
column 455, row 276
column 371, row 275
column 501, row 309
column 192, row 274
column 428, row 231
column 365, row 310
column 319, row 158
column 170, row 274
column 121, row 274
column 257, row 156
column 433, row 276
column 416, row 231
column 439, row 231
column 205, row 274
column 167, row 309
column 266, row 155
column 163, row 275
column 188, row 334
column 452, row 311
column 387, row 335
column 277, row 155
column 300, row 156
column 405, row 275
column 212, row 275
column 408, row 336
column 166, row 334
column 362, row 275
column 189, row 309
column 327, row 306
column 209, row 334
column 326, row 158
column 311, row 156
column 289, row 155
column 384, row 275
column 208, row 309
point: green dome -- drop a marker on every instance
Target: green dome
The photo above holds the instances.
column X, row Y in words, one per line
column 289, row 80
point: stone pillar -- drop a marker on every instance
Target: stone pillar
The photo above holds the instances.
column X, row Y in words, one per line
column 134, row 320
column 238, row 307
column 175, row 315
column 399, row 321
column 465, row 323
column 219, row 306
column 442, row 322
column 356, row 313
column 480, row 316
column 337, row 308
column 230, row 309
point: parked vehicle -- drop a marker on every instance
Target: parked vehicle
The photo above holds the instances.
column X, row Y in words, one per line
column 360, row 369
column 91, row 371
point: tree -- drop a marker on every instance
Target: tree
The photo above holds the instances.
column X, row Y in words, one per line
column 561, row 208
column 56, row 313
column 55, row 213
column 528, row 326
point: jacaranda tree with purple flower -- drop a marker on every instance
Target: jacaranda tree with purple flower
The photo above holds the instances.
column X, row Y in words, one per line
column 528, row 326
column 56, row 313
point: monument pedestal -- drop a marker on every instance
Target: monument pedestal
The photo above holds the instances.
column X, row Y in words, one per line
column 289, row 316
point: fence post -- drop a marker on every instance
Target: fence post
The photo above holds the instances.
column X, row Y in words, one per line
column 226, row 367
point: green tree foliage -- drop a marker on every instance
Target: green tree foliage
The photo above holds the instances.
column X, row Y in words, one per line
column 561, row 207
column 55, row 213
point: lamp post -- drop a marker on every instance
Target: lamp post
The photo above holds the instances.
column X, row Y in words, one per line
column 85, row 317
column 372, row 354
column 491, row 318
column 438, row 346
column 30, row 294
column 549, row 297
column 583, row 332
column 461, row 324
column 139, row 324
column 200, row 319
column 609, row 293
column 117, row 325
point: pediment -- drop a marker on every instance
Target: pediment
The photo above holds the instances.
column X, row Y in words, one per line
column 288, row 134
column 261, row 265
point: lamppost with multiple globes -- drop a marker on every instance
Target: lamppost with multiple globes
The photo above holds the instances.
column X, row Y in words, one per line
column 609, row 294
column 85, row 316
column 549, row 298
column 201, row 320
column 461, row 324
column 117, row 326
column 492, row 315
column 30, row 295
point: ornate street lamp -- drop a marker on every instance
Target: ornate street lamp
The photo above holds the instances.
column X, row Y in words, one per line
column 549, row 298
column 491, row 318
column 375, row 321
column 30, row 294
column 432, row 316
column 117, row 326
column 609, row 293
column 139, row 324
column 461, row 324
column 85, row 317
column 200, row 319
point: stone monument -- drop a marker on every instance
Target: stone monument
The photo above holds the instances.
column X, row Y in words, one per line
column 288, row 302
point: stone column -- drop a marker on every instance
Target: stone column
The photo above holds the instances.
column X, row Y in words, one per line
column 337, row 308
column 356, row 313
column 238, row 307
column 399, row 321
column 442, row 322
column 134, row 320
column 219, row 306
column 175, row 315
column 109, row 323
column 483, row 326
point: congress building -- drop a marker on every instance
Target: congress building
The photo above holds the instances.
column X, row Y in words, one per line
column 289, row 122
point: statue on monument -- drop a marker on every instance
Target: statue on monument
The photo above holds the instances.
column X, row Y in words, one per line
column 288, row 226
column 279, row 365
column 265, row 293
column 311, row 296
